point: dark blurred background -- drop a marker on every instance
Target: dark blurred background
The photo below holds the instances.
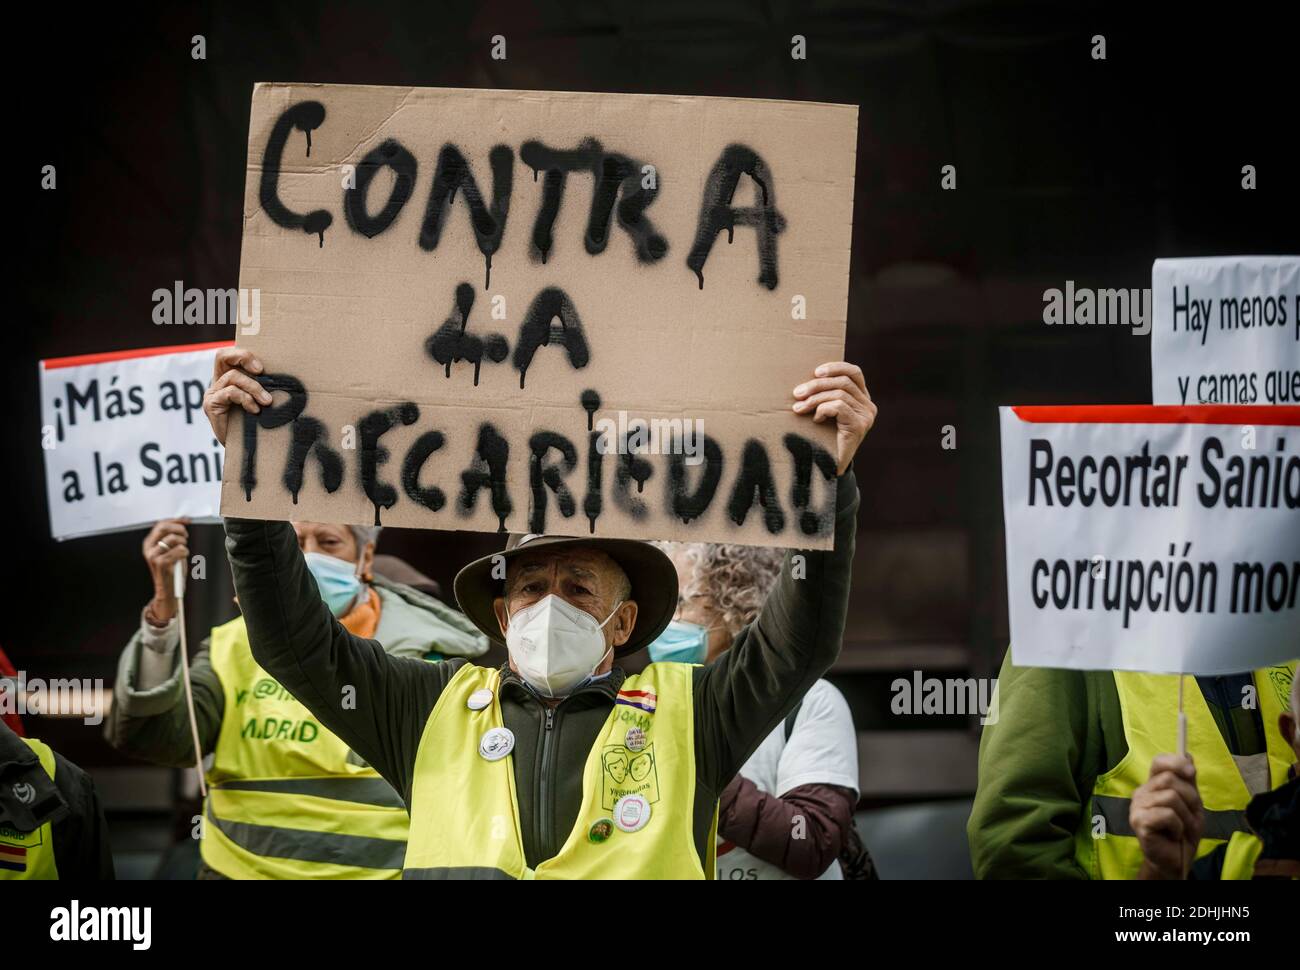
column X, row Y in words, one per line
column 1068, row 168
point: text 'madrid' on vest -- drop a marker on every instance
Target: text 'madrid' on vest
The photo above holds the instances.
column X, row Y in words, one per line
column 288, row 799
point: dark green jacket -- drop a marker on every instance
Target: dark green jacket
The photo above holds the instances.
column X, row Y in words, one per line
column 738, row 700
column 1056, row 731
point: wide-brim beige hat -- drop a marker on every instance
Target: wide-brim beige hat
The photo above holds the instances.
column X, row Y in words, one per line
column 651, row 573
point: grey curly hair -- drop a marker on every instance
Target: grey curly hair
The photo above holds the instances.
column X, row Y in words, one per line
column 364, row 534
column 734, row 579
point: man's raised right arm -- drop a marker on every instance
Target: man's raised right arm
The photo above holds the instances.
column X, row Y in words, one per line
column 375, row 703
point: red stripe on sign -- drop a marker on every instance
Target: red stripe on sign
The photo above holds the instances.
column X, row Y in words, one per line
column 81, row 360
column 1272, row 414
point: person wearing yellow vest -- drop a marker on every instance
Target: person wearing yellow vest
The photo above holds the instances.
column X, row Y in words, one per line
column 287, row 799
column 559, row 764
column 1168, row 816
column 1059, row 765
column 51, row 822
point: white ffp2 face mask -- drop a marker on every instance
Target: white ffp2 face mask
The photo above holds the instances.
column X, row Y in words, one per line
column 555, row 645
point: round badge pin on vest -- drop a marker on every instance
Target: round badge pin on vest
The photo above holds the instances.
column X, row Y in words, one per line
column 479, row 699
column 634, row 739
column 496, row 743
column 631, row 812
column 600, row 830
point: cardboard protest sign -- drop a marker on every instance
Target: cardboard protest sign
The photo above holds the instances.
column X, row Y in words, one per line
column 1226, row 330
column 126, row 441
column 533, row 311
column 1157, row 539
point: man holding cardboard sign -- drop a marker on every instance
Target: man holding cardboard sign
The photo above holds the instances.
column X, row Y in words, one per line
column 559, row 766
column 449, row 344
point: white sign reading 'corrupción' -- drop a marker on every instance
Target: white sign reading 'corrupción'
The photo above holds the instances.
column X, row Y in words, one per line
column 1159, row 539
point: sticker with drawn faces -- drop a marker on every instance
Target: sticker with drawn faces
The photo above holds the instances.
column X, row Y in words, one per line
column 628, row 772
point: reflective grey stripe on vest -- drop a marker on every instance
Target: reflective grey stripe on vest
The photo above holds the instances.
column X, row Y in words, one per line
column 323, row 847
column 1218, row 825
column 456, row 872
column 363, row 791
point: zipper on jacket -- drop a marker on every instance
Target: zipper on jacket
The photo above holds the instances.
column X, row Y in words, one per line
column 544, row 817
column 545, row 810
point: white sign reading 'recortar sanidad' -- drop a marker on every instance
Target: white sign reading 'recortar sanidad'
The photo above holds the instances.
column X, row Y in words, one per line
column 1159, row 539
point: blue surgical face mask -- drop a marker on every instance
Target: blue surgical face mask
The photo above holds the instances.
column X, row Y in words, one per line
column 681, row 642
column 336, row 579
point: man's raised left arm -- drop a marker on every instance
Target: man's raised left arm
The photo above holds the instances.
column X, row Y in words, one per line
column 742, row 696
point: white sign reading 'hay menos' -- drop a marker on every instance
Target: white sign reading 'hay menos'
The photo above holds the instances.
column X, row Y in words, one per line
column 126, row 440
column 531, row 311
column 1159, row 539
column 1226, row 330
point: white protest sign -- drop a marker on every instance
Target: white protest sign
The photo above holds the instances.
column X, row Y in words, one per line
column 1157, row 539
column 126, row 441
column 1226, row 330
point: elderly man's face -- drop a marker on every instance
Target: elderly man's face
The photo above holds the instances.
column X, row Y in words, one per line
column 585, row 578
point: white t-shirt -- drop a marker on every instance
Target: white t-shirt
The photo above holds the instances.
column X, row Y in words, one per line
column 822, row 750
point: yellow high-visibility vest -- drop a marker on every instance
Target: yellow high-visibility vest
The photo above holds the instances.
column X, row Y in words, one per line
column 286, row 798
column 1105, row 845
column 30, row 855
column 1243, row 852
column 465, row 810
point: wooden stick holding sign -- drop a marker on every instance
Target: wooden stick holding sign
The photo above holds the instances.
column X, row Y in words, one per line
column 1182, row 751
column 178, row 589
